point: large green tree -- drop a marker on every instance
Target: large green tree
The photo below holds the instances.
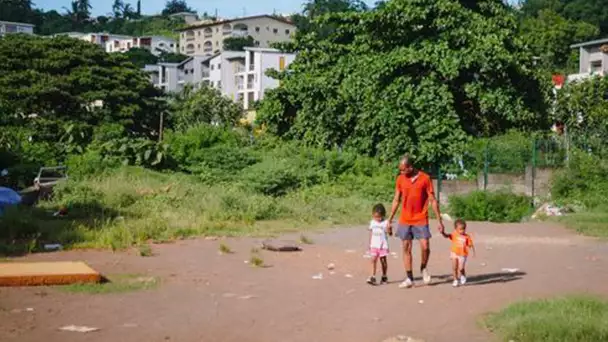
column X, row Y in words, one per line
column 549, row 35
column 205, row 105
column 176, row 6
column 410, row 76
column 49, row 83
column 16, row 10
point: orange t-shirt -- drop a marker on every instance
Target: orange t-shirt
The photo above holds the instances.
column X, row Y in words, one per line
column 415, row 194
column 461, row 243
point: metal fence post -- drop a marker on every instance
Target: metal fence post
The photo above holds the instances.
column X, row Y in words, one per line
column 486, row 166
column 533, row 168
column 439, row 183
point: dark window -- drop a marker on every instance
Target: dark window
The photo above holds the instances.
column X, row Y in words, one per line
column 257, row 29
column 287, row 32
column 275, row 31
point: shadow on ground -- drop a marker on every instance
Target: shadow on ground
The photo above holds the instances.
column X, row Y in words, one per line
column 481, row 279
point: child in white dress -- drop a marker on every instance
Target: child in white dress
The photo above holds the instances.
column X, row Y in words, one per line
column 378, row 243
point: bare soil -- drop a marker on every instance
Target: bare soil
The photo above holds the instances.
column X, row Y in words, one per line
column 206, row 296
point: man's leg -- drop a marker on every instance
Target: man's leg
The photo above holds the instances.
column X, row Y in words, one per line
column 407, row 258
column 423, row 234
column 425, row 250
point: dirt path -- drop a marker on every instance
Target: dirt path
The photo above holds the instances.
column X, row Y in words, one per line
column 209, row 297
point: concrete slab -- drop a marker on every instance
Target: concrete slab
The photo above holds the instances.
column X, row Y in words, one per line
column 46, row 273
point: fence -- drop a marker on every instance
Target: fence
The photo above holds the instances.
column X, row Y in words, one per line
column 519, row 163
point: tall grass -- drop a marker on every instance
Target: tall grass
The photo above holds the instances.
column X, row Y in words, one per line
column 567, row 319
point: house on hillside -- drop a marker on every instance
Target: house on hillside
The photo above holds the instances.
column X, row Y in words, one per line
column 208, row 38
column 7, row 27
column 94, row 38
column 593, row 59
column 189, row 18
column 239, row 75
column 155, row 44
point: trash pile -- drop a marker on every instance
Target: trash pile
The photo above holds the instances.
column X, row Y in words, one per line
column 548, row 210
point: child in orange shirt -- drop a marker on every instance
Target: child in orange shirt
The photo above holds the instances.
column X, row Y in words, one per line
column 461, row 242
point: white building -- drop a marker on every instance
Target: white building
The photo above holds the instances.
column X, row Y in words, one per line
column 12, row 27
column 155, row 44
column 593, row 59
column 207, row 38
column 239, row 75
column 95, row 38
column 189, row 18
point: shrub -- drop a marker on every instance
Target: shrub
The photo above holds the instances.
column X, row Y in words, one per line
column 499, row 206
column 583, row 181
column 272, row 177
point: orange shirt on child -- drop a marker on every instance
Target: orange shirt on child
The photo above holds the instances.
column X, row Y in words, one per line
column 461, row 243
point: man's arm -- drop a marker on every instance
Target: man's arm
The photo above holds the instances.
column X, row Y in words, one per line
column 395, row 206
column 435, row 205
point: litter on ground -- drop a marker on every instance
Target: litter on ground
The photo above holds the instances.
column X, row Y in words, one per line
column 80, row 329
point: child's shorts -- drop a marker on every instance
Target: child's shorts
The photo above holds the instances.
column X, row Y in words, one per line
column 378, row 252
column 461, row 258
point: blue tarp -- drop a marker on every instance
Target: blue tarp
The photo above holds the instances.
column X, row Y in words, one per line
column 8, row 197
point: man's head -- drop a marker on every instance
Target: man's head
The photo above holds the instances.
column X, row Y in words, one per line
column 406, row 166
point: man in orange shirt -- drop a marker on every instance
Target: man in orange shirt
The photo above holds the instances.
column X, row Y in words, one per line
column 414, row 190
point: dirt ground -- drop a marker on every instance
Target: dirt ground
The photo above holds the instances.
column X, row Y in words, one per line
column 205, row 296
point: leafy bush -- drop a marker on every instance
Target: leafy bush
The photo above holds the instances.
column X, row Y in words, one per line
column 584, row 181
column 272, row 177
column 499, row 206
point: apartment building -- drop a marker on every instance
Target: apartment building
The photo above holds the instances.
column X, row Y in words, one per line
column 593, row 59
column 7, row 27
column 208, row 38
column 155, row 44
column 94, row 38
column 239, row 75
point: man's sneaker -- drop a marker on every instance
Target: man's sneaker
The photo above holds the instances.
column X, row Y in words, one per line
column 371, row 280
column 455, row 283
column 426, row 276
column 384, row 280
column 406, row 284
column 463, row 280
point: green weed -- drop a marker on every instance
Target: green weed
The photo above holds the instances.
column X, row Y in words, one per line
column 114, row 284
column 225, row 249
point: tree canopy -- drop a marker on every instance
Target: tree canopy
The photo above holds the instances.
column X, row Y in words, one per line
column 205, row 105
column 409, row 76
column 238, row 43
column 176, row 6
column 47, row 83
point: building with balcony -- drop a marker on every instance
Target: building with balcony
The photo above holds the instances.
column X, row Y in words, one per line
column 239, row 75
column 155, row 44
column 208, row 38
column 593, row 59
column 7, row 27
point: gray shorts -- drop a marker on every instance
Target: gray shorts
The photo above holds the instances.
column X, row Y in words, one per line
column 408, row 232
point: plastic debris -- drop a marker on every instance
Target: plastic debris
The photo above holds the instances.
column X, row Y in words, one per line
column 348, row 275
column 421, row 302
column 510, row 270
column 331, row 267
column 350, row 251
column 548, row 210
column 80, row 329
column 52, row 246
column 318, row 276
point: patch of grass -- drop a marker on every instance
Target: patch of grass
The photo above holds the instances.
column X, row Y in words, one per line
column 255, row 250
column 567, row 319
column 114, row 284
column 256, row 260
column 145, row 251
column 306, row 240
column 591, row 223
column 225, row 249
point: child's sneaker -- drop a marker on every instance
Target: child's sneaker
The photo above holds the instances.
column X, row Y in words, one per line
column 455, row 283
column 384, row 280
column 463, row 280
column 371, row 280
column 426, row 276
column 406, row 284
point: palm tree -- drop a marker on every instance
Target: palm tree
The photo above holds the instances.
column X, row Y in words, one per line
column 117, row 8
column 127, row 12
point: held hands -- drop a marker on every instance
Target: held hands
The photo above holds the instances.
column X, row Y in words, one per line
column 441, row 227
column 389, row 228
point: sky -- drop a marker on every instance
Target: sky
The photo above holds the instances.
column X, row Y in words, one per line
column 225, row 8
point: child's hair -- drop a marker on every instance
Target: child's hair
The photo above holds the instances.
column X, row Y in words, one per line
column 460, row 222
column 379, row 209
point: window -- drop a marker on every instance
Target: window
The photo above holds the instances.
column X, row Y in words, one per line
column 192, row 71
column 275, row 31
column 186, row 71
column 171, row 45
column 596, row 66
column 212, row 66
column 257, row 29
column 256, row 43
column 282, row 63
column 219, row 84
column 219, row 66
column 287, row 32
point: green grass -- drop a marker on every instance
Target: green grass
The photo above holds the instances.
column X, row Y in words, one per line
column 114, row 284
column 306, row 240
column 591, row 223
column 256, row 261
column 131, row 206
column 225, row 249
column 145, row 251
column 567, row 319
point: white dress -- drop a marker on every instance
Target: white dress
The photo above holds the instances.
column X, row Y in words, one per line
column 379, row 236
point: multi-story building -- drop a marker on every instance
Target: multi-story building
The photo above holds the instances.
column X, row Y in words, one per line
column 593, row 59
column 155, row 44
column 208, row 38
column 11, row 27
column 239, row 75
column 95, row 38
